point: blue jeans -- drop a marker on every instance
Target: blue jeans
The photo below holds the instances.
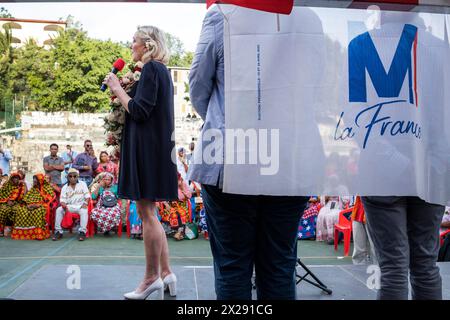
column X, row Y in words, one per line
column 253, row 231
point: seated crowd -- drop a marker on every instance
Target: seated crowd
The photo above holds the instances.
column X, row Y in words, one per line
column 78, row 187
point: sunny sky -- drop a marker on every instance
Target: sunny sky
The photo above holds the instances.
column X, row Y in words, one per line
column 118, row 21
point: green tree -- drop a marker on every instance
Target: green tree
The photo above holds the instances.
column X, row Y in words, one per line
column 32, row 74
column 6, row 60
column 82, row 65
column 178, row 56
column 4, row 13
column 67, row 77
column 187, row 59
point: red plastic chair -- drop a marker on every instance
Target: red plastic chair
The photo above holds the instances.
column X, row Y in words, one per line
column 93, row 226
column 50, row 215
column 344, row 225
column 89, row 231
column 89, row 228
column 442, row 236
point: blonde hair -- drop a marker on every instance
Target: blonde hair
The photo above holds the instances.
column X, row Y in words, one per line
column 155, row 41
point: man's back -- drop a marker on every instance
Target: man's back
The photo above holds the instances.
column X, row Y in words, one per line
column 206, row 81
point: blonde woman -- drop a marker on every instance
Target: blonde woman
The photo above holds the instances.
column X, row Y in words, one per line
column 147, row 173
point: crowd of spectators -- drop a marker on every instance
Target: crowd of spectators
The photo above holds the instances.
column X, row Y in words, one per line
column 80, row 187
column 73, row 181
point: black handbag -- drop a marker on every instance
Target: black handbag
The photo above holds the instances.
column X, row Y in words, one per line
column 109, row 200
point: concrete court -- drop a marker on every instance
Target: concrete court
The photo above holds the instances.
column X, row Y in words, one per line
column 110, row 266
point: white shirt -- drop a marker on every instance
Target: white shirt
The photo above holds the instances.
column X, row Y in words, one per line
column 77, row 196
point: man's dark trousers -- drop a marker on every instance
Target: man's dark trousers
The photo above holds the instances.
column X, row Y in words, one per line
column 249, row 232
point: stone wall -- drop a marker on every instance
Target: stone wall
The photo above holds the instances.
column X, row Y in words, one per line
column 42, row 129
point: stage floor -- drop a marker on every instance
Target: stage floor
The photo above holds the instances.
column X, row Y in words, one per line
column 109, row 282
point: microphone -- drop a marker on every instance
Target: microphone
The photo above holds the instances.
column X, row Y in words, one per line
column 117, row 66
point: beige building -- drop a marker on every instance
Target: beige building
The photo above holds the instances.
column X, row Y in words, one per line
column 187, row 122
column 42, row 31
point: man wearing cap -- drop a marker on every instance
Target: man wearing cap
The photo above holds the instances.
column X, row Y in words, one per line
column 74, row 198
column 68, row 157
column 181, row 162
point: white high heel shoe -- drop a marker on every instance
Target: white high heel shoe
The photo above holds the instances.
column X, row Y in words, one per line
column 157, row 285
column 170, row 282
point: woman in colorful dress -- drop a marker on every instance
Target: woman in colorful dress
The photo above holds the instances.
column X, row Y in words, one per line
column 23, row 180
column 11, row 195
column 107, row 212
column 135, row 221
column 54, row 204
column 176, row 213
column 54, row 186
column 106, row 165
column 30, row 216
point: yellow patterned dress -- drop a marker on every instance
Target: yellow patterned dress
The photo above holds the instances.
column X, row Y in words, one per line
column 10, row 192
column 31, row 224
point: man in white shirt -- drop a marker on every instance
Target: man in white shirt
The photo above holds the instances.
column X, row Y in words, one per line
column 74, row 198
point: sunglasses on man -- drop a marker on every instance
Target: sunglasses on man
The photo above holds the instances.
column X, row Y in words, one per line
column 72, row 176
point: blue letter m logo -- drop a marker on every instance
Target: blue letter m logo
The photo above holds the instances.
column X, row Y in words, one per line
column 362, row 56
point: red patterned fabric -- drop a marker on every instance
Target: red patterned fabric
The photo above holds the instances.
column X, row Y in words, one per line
column 313, row 210
column 30, row 234
column 106, row 218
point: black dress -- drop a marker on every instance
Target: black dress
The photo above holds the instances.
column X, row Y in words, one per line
column 146, row 167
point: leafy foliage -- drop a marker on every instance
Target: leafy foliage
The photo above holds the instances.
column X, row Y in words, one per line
column 6, row 61
column 4, row 13
column 67, row 75
column 178, row 56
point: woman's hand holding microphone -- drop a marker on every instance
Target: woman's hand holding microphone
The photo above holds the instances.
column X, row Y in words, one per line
column 112, row 82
